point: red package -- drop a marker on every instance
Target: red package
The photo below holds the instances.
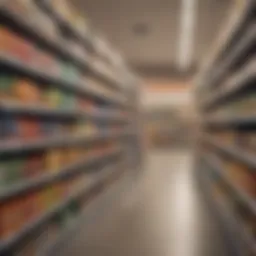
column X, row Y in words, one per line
column 29, row 128
column 34, row 165
column 7, row 219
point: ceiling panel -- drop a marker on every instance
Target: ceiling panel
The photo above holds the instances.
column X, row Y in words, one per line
column 158, row 46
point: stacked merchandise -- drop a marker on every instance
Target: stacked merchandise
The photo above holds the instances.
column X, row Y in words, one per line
column 227, row 159
column 61, row 117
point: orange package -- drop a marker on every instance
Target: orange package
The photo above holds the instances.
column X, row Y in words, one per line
column 242, row 177
column 7, row 40
column 8, row 221
column 53, row 160
column 26, row 92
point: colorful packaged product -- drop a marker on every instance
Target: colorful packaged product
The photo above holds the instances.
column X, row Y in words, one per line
column 68, row 101
column 15, row 46
column 51, row 128
column 34, row 165
column 6, row 83
column 6, row 220
column 54, row 160
column 9, row 128
column 10, row 171
column 52, row 96
column 29, row 128
column 26, row 91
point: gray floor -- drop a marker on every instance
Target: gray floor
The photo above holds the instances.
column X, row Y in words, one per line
column 158, row 213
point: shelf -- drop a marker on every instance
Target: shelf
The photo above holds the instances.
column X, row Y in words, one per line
column 241, row 51
column 63, row 238
column 228, row 37
column 9, row 63
column 234, row 190
column 85, row 39
column 245, row 122
column 240, row 242
column 241, row 19
column 10, row 147
column 27, row 232
column 64, row 173
column 241, row 82
column 68, row 233
column 234, row 152
column 25, row 29
column 99, row 71
column 22, row 27
column 16, row 108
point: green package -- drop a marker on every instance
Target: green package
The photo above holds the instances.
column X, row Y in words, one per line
column 6, row 83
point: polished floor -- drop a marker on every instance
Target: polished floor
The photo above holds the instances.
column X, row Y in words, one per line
column 156, row 213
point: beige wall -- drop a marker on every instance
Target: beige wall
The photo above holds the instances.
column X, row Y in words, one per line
column 166, row 93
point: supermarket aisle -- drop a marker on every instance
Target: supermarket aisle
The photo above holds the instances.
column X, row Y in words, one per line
column 159, row 214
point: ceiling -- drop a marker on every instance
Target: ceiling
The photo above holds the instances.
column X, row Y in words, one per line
column 146, row 32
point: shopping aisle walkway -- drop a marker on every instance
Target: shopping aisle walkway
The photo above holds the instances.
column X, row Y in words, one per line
column 157, row 213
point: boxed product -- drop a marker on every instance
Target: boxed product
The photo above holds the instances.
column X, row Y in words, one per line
column 68, row 101
column 70, row 155
column 28, row 210
column 48, row 198
column 8, row 221
column 28, row 128
column 47, row 62
column 26, row 92
column 53, row 160
column 87, row 104
column 34, row 165
column 51, row 128
column 9, row 130
column 6, row 84
column 226, row 137
column 70, row 128
column 11, row 171
column 242, row 176
column 69, row 72
column 74, row 154
column 82, row 103
column 14, row 214
column 52, row 97
column 15, row 46
column 247, row 141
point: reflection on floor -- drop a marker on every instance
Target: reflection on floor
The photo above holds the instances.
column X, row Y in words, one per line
column 158, row 213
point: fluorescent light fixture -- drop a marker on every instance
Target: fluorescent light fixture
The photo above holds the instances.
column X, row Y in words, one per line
column 186, row 40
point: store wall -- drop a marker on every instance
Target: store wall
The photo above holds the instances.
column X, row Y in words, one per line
column 173, row 101
column 157, row 93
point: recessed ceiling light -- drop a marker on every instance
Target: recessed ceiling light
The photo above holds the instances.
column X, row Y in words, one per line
column 141, row 29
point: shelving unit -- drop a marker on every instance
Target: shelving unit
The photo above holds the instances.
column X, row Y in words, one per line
column 239, row 240
column 28, row 231
column 226, row 94
column 69, row 124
